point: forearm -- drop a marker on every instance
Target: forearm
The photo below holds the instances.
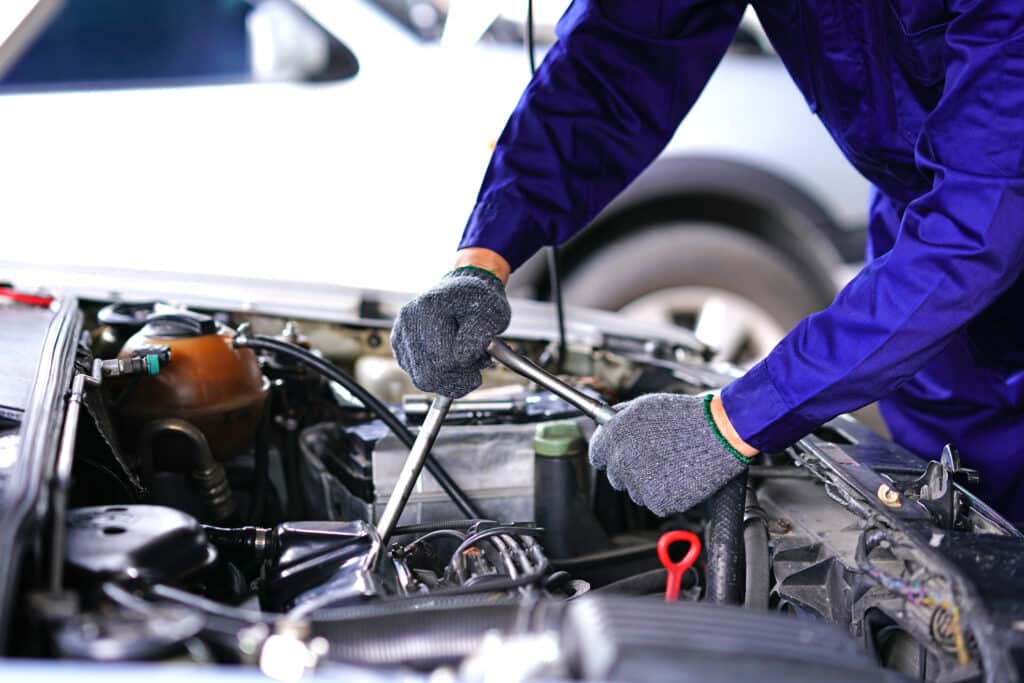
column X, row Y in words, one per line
column 485, row 259
column 726, row 428
column 605, row 101
column 957, row 251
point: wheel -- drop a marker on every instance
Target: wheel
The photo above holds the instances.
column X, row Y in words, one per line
column 739, row 294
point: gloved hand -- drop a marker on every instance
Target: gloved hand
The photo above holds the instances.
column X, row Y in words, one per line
column 664, row 450
column 440, row 338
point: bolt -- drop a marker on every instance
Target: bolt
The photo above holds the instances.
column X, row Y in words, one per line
column 889, row 496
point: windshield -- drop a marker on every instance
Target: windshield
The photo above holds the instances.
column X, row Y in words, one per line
column 502, row 22
column 92, row 44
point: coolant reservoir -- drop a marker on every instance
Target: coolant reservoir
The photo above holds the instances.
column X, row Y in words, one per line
column 208, row 382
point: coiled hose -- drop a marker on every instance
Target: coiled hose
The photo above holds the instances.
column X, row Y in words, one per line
column 724, row 538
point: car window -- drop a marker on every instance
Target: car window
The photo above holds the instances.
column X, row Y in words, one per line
column 129, row 43
column 503, row 23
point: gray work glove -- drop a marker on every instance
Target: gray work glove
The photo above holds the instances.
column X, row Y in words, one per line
column 664, row 450
column 440, row 338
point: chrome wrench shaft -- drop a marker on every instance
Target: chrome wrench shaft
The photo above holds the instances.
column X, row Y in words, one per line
column 412, row 467
column 503, row 353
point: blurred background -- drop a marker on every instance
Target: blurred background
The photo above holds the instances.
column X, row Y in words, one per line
column 343, row 141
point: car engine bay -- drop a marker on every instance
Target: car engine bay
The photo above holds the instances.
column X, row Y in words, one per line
column 222, row 476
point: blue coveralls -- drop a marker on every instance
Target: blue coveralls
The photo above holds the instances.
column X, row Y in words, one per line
column 925, row 98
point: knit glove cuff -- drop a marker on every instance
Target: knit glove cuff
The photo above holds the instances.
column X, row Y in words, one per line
column 477, row 272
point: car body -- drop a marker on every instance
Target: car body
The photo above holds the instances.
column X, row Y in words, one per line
column 388, row 162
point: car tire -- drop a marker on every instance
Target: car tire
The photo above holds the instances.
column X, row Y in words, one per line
column 675, row 263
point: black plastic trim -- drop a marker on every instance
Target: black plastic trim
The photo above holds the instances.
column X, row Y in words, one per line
column 23, row 513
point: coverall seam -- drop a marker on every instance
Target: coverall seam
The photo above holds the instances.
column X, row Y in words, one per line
column 798, row 406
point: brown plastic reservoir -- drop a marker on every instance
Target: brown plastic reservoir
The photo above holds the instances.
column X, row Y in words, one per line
column 208, row 382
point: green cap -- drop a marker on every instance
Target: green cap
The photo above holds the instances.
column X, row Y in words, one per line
column 558, row 439
column 152, row 364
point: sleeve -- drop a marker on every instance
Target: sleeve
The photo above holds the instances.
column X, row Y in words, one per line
column 959, row 246
column 603, row 104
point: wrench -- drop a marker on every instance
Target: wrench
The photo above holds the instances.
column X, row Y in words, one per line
column 412, row 467
column 502, row 353
column 594, row 409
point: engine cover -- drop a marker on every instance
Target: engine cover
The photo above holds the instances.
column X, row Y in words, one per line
column 130, row 541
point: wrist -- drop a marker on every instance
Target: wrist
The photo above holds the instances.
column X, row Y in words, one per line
column 726, row 429
column 485, row 259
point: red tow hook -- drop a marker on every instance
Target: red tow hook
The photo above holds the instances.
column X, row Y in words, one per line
column 677, row 569
column 24, row 298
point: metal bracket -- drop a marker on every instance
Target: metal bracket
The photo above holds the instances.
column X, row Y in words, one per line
column 936, row 490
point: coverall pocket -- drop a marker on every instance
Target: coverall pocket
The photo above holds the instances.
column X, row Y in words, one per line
column 918, row 38
column 1007, row 146
column 920, row 16
column 996, row 336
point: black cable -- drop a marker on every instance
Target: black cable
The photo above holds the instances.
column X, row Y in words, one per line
column 555, row 284
column 372, row 403
column 554, row 272
column 176, row 595
column 425, row 527
column 472, row 540
column 434, row 534
column 530, row 38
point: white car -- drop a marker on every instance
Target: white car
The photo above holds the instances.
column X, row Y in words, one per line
column 264, row 156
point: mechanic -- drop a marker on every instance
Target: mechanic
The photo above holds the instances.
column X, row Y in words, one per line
column 925, row 98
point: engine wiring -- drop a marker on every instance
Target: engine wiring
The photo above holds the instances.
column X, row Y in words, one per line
column 914, row 593
column 911, row 591
column 458, row 558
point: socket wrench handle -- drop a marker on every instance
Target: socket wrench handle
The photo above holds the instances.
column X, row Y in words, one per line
column 592, row 408
column 413, row 465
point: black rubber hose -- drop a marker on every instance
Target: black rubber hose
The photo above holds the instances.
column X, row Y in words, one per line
column 646, row 583
column 396, row 606
column 420, row 638
column 245, row 544
column 336, row 374
column 724, row 539
column 427, row 629
column 261, row 466
column 207, row 474
column 756, row 555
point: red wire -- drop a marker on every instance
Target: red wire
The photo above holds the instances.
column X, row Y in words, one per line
column 23, row 298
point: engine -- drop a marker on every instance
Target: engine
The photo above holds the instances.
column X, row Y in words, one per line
column 231, row 473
